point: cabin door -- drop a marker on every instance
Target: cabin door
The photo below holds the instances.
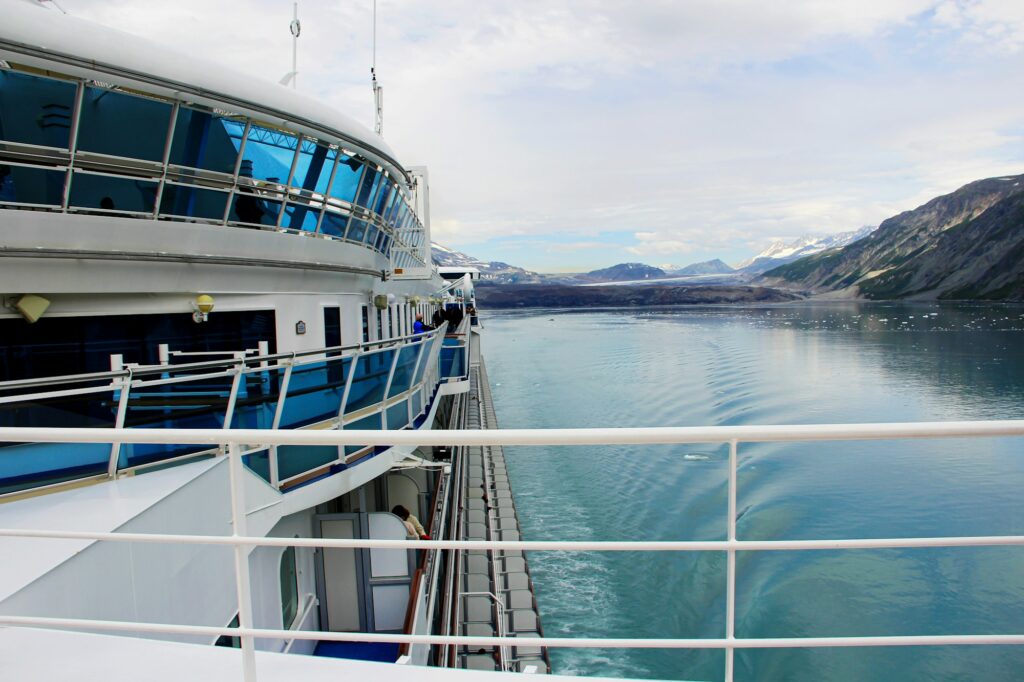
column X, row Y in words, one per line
column 363, row 590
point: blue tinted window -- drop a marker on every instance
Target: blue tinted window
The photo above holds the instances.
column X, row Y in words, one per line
column 368, row 188
column 300, row 216
column 268, row 155
column 35, row 110
column 382, row 198
column 254, row 206
column 313, row 167
column 404, row 369
column 424, row 361
column 201, row 140
column 346, row 179
column 193, row 202
column 333, row 224
column 31, row 185
column 112, row 194
column 356, row 230
column 123, row 125
column 369, row 381
column 371, row 234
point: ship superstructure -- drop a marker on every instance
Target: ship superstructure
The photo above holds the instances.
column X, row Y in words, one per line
column 184, row 247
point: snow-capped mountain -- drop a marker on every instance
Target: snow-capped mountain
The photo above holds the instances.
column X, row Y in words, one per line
column 494, row 271
column 781, row 252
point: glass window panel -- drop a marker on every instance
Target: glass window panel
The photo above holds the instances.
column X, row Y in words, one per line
column 193, row 202
column 333, row 224
column 313, row 168
column 300, row 216
column 255, row 206
column 268, row 155
column 368, row 188
column 123, row 125
column 203, row 140
column 112, row 194
column 404, row 369
column 382, row 198
column 370, row 380
column 289, row 587
column 371, row 234
column 35, row 110
column 356, row 230
column 393, row 202
column 346, row 179
column 31, row 185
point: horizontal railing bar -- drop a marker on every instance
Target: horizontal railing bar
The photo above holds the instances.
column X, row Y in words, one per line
column 601, row 436
column 535, row 545
column 559, row 642
column 212, row 364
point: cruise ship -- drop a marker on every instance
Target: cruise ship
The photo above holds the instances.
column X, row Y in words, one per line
column 185, row 247
column 228, row 449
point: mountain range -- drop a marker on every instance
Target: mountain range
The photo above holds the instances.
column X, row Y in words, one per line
column 968, row 244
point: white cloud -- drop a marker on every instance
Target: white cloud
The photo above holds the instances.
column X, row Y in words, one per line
column 708, row 124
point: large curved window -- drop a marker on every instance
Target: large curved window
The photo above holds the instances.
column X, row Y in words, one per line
column 145, row 156
column 116, row 124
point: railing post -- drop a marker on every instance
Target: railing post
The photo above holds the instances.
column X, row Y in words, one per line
column 387, row 388
column 238, row 528
column 730, row 570
column 122, row 410
column 278, row 411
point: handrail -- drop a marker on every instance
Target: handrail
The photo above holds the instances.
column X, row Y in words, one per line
column 216, row 364
column 731, row 435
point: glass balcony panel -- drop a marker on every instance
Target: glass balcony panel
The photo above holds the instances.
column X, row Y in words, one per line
column 36, row 110
column 193, row 202
column 404, row 369
column 371, row 423
column 398, row 415
column 370, row 380
column 35, row 186
column 293, row 460
column 198, row 404
column 314, row 392
column 118, row 124
column 106, row 193
column 346, row 179
column 424, row 362
column 202, row 140
column 256, row 402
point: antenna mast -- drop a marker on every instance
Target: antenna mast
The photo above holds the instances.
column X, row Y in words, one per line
column 296, row 28
column 378, row 91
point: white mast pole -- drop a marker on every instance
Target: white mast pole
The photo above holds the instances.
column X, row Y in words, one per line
column 295, row 27
column 378, row 91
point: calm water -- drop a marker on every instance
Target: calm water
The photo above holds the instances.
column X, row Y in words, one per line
column 771, row 365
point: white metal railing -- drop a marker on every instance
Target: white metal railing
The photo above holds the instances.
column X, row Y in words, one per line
column 231, row 387
column 731, row 435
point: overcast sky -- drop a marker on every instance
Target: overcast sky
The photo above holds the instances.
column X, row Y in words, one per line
column 566, row 136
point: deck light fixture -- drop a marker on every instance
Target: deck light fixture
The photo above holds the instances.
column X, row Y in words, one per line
column 202, row 307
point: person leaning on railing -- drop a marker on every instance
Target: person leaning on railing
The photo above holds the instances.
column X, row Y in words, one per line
column 412, row 525
column 418, row 327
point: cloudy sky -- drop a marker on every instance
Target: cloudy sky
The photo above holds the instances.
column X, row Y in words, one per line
column 566, row 136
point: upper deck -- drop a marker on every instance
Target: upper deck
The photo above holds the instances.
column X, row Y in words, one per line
column 170, row 151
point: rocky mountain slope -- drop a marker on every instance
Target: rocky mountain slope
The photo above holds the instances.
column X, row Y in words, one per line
column 569, row 296
column 965, row 245
column 490, row 271
column 781, row 252
column 623, row 272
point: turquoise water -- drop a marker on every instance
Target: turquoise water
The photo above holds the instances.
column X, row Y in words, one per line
column 771, row 365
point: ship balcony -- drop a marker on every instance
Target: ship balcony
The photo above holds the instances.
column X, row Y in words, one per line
column 368, row 387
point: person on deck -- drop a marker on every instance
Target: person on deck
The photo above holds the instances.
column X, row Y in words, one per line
column 418, row 327
column 412, row 525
